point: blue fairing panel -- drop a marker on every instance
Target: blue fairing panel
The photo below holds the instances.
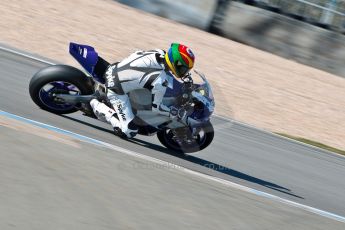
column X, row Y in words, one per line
column 85, row 55
column 176, row 89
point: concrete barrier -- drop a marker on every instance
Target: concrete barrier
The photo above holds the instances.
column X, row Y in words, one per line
column 286, row 37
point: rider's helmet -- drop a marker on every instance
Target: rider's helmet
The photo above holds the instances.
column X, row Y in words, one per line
column 179, row 59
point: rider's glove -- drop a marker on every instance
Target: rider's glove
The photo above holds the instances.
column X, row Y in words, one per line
column 179, row 114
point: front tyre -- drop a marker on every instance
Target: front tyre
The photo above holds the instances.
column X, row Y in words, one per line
column 185, row 142
column 58, row 79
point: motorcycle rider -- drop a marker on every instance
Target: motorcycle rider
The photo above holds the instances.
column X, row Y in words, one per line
column 153, row 70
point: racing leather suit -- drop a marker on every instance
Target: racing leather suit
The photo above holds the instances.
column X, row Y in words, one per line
column 142, row 69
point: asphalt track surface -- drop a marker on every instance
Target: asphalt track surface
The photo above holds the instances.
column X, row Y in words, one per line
column 239, row 153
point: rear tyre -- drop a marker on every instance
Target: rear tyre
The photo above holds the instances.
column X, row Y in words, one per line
column 58, row 79
column 198, row 143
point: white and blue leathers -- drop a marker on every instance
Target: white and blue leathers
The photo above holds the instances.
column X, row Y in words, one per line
column 142, row 69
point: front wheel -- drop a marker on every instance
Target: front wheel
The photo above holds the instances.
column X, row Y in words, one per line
column 182, row 140
column 58, row 79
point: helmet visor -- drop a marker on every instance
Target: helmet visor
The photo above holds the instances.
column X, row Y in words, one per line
column 181, row 69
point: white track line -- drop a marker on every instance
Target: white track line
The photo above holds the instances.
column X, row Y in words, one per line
column 26, row 55
column 174, row 166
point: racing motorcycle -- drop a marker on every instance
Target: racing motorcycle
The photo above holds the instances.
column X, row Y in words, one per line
column 63, row 89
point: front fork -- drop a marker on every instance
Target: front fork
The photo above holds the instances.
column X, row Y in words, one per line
column 185, row 134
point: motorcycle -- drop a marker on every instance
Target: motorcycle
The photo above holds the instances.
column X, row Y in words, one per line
column 63, row 89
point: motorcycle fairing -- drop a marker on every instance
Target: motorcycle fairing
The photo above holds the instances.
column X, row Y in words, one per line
column 88, row 58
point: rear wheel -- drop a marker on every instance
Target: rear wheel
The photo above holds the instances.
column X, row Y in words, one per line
column 182, row 140
column 58, row 79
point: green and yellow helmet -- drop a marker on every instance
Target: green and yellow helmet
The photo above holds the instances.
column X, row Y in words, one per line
column 180, row 59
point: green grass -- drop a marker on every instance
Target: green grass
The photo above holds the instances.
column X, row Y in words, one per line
column 314, row 143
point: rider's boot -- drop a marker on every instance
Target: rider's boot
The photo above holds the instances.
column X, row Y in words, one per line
column 104, row 113
column 124, row 112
